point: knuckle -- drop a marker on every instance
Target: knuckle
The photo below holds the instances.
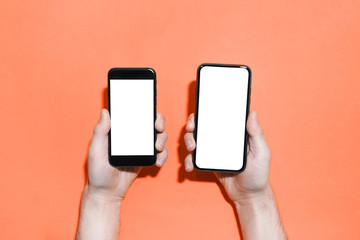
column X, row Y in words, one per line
column 187, row 136
column 158, row 145
column 97, row 129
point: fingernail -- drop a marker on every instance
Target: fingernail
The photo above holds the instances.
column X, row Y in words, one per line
column 188, row 144
column 255, row 115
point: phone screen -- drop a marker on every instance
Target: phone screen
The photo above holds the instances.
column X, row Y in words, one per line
column 132, row 117
column 222, row 107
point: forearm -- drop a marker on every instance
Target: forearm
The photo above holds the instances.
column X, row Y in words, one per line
column 99, row 217
column 259, row 217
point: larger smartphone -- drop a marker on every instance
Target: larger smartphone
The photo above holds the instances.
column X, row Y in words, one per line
column 132, row 108
column 222, row 107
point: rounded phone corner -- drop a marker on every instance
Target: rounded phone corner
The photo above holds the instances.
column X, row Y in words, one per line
column 194, row 162
column 111, row 70
column 151, row 70
column 247, row 68
column 201, row 66
column 112, row 163
column 151, row 164
column 242, row 167
column 199, row 168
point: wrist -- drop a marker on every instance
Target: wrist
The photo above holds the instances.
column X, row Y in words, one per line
column 255, row 199
column 100, row 197
column 259, row 217
column 99, row 216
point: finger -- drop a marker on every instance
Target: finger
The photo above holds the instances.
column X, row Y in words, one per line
column 189, row 141
column 161, row 141
column 99, row 143
column 257, row 142
column 190, row 124
column 188, row 163
column 160, row 122
column 161, row 158
column 102, row 127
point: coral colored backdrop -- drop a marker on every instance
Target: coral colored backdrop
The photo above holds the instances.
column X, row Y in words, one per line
column 305, row 59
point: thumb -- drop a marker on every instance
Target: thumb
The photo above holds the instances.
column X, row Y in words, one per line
column 257, row 142
column 99, row 142
column 102, row 127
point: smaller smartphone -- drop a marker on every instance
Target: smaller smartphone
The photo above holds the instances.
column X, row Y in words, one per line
column 221, row 111
column 132, row 108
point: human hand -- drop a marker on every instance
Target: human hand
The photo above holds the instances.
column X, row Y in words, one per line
column 106, row 181
column 254, row 181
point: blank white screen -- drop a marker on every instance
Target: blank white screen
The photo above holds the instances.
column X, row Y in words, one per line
column 221, row 117
column 132, row 116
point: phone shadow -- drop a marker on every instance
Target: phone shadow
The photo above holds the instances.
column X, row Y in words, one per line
column 182, row 153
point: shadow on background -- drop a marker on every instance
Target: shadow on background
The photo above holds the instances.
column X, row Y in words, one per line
column 182, row 153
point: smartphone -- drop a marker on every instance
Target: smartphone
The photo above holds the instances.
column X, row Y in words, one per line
column 132, row 108
column 221, row 111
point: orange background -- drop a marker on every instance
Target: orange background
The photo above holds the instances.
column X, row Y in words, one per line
column 304, row 56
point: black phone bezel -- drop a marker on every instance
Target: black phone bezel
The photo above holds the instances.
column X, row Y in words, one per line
column 197, row 110
column 132, row 73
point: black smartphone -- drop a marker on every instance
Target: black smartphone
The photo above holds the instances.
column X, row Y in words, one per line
column 221, row 111
column 132, row 108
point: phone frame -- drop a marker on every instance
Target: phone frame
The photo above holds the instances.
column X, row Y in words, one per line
column 132, row 73
column 197, row 110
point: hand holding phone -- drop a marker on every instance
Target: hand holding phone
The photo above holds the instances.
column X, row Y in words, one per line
column 106, row 181
column 255, row 179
